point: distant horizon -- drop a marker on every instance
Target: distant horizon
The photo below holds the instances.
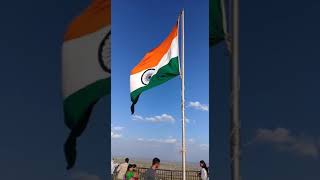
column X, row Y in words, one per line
column 162, row 160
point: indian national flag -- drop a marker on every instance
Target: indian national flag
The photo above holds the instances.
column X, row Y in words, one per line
column 85, row 69
column 156, row 67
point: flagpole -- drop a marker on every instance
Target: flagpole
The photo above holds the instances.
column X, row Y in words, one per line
column 182, row 99
column 235, row 94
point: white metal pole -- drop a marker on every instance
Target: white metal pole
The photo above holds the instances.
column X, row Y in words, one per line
column 182, row 100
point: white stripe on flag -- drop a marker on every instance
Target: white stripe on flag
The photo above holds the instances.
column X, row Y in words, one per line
column 80, row 65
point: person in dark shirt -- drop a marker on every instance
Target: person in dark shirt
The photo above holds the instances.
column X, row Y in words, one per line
column 151, row 173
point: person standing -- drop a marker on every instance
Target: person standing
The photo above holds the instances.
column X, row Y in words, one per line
column 122, row 169
column 129, row 173
column 113, row 166
column 151, row 173
column 135, row 173
column 204, row 170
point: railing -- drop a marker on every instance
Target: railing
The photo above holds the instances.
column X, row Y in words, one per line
column 163, row 174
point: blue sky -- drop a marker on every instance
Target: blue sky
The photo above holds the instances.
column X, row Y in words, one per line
column 135, row 31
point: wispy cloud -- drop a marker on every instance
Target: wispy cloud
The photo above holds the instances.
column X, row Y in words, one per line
column 115, row 135
column 169, row 140
column 118, row 128
column 187, row 120
column 204, row 146
column 284, row 140
column 116, row 132
column 137, row 118
column 191, row 140
column 198, row 106
column 154, row 119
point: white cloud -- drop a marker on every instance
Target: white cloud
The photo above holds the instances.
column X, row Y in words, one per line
column 118, row 128
column 191, row 140
column 188, row 120
column 137, row 118
column 198, row 106
column 283, row 140
column 204, row 146
column 116, row 131
column 169, row 140
column 154, row 119
column 115, row 135
column 161, row 118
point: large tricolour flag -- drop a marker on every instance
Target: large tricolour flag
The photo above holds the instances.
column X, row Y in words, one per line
column 156, row 67
column 85, row 69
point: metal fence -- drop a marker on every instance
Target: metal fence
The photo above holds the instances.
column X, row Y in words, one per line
column 163, row 174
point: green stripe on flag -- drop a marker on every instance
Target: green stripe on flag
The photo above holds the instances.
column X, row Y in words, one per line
column 76, row 105
column 164, row 74
column 77, row 110
column 216, row 32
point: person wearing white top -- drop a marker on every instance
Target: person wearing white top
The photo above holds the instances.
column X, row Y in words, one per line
column 204, row 171
column 122, row 169
column 113, row 166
